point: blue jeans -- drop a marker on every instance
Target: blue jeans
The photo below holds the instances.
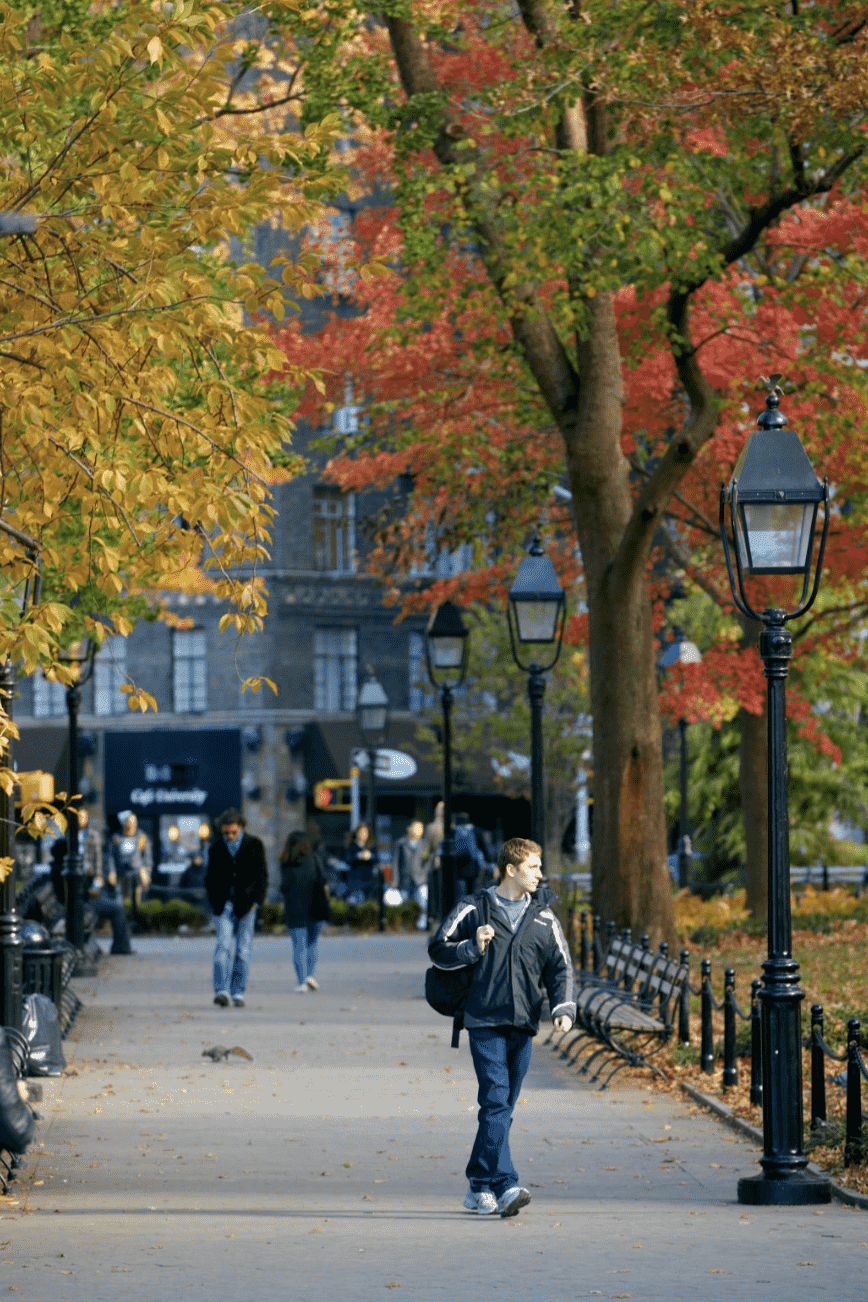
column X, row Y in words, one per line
column 111, row 906
column 305, row 949
column 241, row 929
column 501, row 1057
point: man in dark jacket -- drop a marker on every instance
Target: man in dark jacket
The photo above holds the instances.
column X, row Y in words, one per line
column 514, row 942
column 236, row 881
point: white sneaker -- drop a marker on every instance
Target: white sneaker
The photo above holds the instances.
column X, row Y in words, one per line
column 483, row 1203
column 312, row 983
column 301, row 990
column 511, row 1202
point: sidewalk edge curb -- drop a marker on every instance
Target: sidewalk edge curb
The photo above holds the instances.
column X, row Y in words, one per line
column 724, row 1112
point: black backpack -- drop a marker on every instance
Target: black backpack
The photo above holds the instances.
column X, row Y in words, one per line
column 447, row 989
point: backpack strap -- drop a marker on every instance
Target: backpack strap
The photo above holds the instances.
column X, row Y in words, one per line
column 458, row 1022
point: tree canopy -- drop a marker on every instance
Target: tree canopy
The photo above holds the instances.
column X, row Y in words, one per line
column 138, row 438
column 603, row 223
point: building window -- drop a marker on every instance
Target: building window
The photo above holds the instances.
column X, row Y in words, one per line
column 49, row 699
column 189, row 671
column 421, row 695
column 110, row 672
column 335, row 668
column 334, row 530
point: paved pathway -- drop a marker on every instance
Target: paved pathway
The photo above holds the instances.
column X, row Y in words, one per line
column 332, row 1164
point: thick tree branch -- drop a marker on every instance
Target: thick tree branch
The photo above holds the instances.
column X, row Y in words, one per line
column 703, row 404
column 759, row 221
column 531, row 325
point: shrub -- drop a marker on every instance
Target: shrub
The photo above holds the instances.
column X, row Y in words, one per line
column 169, row 915
column 272, row 916
column 365, row 917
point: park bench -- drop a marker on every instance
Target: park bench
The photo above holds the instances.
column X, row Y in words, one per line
column 18, row 1113
column 625, row 1012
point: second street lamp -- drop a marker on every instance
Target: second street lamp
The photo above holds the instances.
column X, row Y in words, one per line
column 446, row 659
column 11, row 943
column 536, row 613
column 372, row 715
column 773, row 499
column 81, row 659
column 682, row 651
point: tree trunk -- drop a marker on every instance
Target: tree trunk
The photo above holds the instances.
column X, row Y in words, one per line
column 628, row 851
column 753, row 784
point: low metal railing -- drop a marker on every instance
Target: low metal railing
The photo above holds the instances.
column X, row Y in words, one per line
column 851, row 1079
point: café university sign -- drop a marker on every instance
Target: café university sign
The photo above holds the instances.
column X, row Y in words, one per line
column 144, row 797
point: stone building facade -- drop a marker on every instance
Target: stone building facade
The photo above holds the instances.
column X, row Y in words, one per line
column 326, row 624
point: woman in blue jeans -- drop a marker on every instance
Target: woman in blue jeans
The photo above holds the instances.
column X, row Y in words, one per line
column 305, row 899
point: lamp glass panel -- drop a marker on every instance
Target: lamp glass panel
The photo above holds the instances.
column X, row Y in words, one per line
column 778, row 535
column 446, row 652
column 372, row 718
column 536, row 620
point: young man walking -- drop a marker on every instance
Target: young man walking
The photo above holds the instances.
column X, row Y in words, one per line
column 236, row 881
column 515, row 945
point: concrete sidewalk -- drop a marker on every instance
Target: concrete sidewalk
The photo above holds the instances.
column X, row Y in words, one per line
column 333, row 1163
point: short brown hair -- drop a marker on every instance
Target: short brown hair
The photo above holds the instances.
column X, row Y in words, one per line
column 515, row 851
column 231, row 816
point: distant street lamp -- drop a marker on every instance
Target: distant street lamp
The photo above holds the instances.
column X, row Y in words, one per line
column 11, row 942
column 446, row 659
column 80, row 658
column 682, row 652
column 773, row 499
column 536, row 614
column 372, row 716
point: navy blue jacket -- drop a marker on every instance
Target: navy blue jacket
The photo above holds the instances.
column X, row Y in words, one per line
column 518, row 968
column 242, row 879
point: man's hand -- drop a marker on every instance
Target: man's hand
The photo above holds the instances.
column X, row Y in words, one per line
column 483, row 936
column 563, row 1023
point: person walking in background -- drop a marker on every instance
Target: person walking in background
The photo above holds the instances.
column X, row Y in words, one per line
column 514, row 944
column 104, row 896
column 471, row 863
column 236, row 881
column 133, row 860
column 304, row 886
column 361, row 859
column 411, row 869
column 433, row 845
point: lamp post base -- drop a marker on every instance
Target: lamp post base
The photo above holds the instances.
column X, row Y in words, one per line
column 801, row 1189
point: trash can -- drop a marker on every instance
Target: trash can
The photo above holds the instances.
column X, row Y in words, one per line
column 43, row 973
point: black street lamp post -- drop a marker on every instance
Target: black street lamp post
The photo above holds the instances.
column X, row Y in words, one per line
column 81, row 659
column 372, row 715
column 446, row 659
column 773, row 499
column 536, row 613
column 682, row 651
column 11, row 941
